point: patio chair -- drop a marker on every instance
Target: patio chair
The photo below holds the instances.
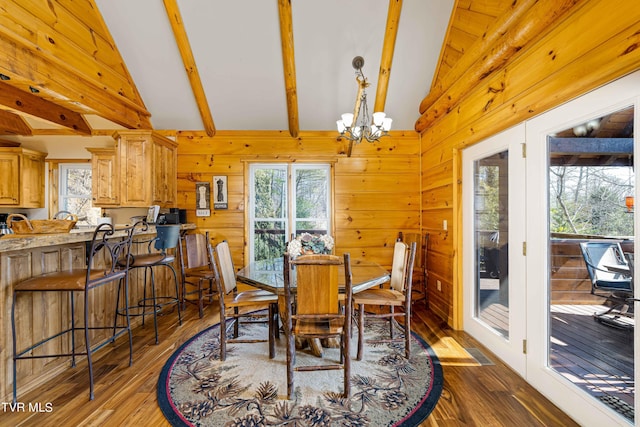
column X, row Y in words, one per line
column 611, row 278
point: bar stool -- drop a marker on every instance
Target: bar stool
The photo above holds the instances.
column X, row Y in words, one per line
column 103, row 254
column 167, row 237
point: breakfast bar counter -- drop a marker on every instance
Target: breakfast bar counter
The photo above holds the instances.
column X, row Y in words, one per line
column 25, row 256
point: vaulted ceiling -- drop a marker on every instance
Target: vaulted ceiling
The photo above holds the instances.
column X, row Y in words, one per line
column 85, row 66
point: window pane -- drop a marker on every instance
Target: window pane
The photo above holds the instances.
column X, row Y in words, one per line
column 74, row 193
column 312, row 227
column 78, row 182
column 270, row 193
column 311, row 193
column 269, row 239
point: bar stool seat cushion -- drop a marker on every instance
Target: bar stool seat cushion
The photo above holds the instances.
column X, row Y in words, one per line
column 149, row 260
column 70, row 280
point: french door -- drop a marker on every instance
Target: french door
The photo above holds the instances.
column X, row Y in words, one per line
column 575, row 168
column 527, row 295
column 493, row 223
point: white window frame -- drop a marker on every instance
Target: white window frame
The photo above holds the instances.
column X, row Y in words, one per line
column 290, row 220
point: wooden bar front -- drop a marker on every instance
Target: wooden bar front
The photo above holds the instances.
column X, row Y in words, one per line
column 43, row 314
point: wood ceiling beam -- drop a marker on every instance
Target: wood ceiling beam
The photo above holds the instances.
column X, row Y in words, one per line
column 60, row 83
column 180, row 34
column 476, row 51
column 506, row 38
column 288, row 62
column 390, row 34
column 13, row 124
column 18, row 100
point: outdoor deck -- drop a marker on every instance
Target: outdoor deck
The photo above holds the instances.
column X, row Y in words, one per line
column 594, row 357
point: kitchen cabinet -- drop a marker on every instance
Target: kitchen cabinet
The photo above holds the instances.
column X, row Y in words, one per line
column 105, row 177
column 147, row 163
column 21, row 177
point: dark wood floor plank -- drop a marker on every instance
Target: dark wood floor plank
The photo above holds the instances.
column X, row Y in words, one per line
column 473, row 395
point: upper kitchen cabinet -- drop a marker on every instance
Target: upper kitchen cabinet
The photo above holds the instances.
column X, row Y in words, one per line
column 148, row 168
column 21, row 178
column 105, row 177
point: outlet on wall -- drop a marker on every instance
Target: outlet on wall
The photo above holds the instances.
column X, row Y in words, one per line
column 439, row 285
column 444, row 224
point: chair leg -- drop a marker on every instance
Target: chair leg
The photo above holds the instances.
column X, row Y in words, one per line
column 223, row 336
column 175, row 277
column 346, row 363
column 360, row 331
column 407, row 333
column 73, row 330
column 391, row 317
column 290, row 360
column 88, row 344
column 15, row 352
column 272, row 332
column 153, row 299
column 236, row 324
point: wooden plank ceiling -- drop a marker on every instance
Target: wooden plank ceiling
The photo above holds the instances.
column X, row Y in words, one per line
column 81, row 67
column 64, row 64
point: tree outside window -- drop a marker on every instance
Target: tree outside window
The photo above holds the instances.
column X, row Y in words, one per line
column 281, row 207
column 75, row 192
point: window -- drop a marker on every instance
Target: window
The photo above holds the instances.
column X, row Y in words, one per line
column 75, row 192
column 284, row 200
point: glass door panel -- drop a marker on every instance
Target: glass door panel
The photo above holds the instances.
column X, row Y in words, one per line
column 591, row 232
column 580, row 185
column 493, row 217
column 491, row 225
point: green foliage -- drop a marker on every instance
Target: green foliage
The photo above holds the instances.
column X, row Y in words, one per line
column 590, row 200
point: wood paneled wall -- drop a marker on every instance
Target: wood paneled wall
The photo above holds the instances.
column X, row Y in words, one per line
column 377, row 189
column 594, row 42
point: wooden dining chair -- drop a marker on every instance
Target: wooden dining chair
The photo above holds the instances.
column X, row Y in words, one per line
column 196, row 269
column 398, row 294
column 318, row 310
column 419, row 286
column 232, row 301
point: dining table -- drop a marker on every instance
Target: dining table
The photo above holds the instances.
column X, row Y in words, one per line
column 269, row 275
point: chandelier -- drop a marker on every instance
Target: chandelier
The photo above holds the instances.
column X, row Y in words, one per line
column 359, row 125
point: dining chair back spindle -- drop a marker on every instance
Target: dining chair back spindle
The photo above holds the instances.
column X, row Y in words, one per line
column 319, row 310
column 232, row 301
column 398, row 294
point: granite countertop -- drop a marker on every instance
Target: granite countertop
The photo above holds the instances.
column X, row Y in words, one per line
column 17, row 242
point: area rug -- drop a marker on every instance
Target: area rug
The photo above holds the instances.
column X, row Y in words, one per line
column 248, row 389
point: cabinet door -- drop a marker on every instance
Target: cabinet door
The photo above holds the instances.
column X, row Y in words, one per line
column 9, row 179
column 32, row 174
column 135, row 165
column 164, row 167
column 105, row 179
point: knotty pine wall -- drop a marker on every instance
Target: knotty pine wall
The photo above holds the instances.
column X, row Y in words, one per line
column 596, row 43
column 376, row 190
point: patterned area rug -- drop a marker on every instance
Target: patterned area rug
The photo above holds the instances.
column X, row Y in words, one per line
column 248, row 389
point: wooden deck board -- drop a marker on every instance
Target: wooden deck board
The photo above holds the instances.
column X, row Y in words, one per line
column 597, row 358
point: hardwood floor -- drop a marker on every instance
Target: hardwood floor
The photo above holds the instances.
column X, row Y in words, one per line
column 473, row 394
